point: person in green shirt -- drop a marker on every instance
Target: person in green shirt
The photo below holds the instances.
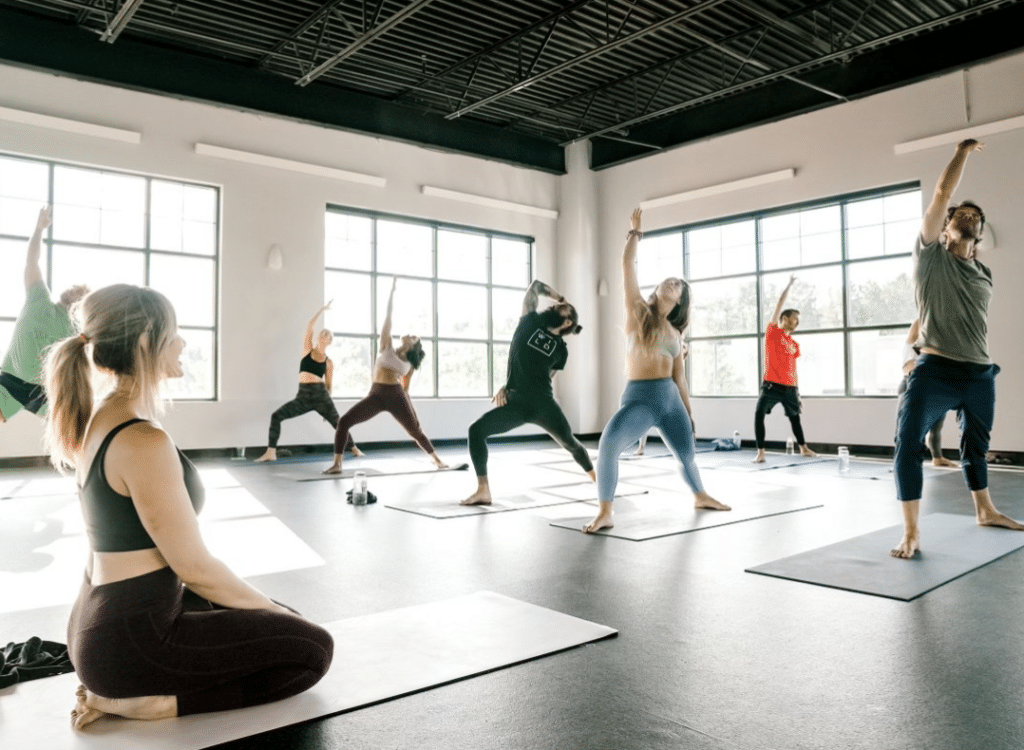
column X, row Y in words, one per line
column 40, row 323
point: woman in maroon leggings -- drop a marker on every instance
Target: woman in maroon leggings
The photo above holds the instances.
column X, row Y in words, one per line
column 161, row 627
column 392, row 373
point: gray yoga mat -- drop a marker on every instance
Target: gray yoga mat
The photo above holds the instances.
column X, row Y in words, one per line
column 682, row 518
column 377, row 658
column 588, row 491
column 951, row 546
column 448, row 507
column 348, row 473
column 745, row 462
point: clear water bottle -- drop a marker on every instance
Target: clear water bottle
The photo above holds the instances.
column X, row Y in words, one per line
column 359, row 488
column 790, row 447
column 736, row 439
column 844, row 460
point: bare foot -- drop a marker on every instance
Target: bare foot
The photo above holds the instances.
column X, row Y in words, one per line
column 942, row 461
column 760, row 457
column 480, row 497
column 89, row 707
column 603, row 520
column 335, row 469
column 440, row 464
column 269, row 455
column 908, row 547
column 807, row 452
column 356, row 452
column 995, row 518
column 705, row 501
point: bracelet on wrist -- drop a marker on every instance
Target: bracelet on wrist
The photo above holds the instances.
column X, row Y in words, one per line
column 635, row 233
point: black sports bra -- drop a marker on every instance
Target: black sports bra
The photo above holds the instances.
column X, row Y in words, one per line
column 310, row 365
column 111, row 521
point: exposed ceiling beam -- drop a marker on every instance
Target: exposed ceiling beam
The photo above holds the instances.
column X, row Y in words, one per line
column 362, row 41
column 788, row 26
column 121, row 20
column 580, row 59
column 301, row 29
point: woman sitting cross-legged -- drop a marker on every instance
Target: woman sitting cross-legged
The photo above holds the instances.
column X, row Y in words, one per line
column 161, row 627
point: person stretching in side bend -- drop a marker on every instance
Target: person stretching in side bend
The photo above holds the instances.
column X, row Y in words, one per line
column 952, row 290
column 933, row 444
column 656, row 393
column 392, row 373
column 536, row 353
column 161, row 628
column 315, row 374
column 780, row 383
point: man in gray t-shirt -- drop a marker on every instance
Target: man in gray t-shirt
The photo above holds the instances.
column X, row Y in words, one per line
column 954, row 371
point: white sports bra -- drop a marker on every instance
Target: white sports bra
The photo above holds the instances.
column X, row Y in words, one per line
column 667, row 345
column 389, row 360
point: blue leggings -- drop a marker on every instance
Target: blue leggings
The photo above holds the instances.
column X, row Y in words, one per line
column 646, row 404
column 935, row 386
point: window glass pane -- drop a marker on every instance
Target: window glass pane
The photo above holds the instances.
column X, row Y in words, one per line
column 903, row 206
column 507, row 306
column 660, row 257
column 413, row 309
column 20, row 178
column 352, row 362
column 817, row 294
column 881, row 292
column 348, row 241
column 18, row 216
column 865, row 213
column 510, row 262
column 780, row 227
column 821, row 364
column 77, row 187
column 724, row 367
column 351, row 310
column 462, row 369
column 806, row 237
column 197, row 360
column 76, row 224
column 723, row 307
column 462, row 256
column 875, row 361
column 404, row 248
column 500, row 366
column 198, row 237
column 462, row 311
column 865, row 242
column 12, row 284
column 422, row 385
column 199, row 204
column 189, row 284
column 96, row 267
column 166, row 199
column 125, row 228
column 722, row 250
column 901, row 236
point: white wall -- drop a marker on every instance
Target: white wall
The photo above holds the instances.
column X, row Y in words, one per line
column 263, row 312
column 843, row 149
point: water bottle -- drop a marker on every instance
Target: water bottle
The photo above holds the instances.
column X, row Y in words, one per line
column 736, row 439
column 844, row 460
column 790, row 446
column 359, row 488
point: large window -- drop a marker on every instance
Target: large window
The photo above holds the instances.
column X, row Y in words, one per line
column 112, row 227
column 459, row 289
column 852, row 259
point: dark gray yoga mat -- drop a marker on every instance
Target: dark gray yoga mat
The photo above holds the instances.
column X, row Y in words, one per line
column 952, row 546
column 449, row 507
column 745, row 462
column 348, row 473
column 682, row 518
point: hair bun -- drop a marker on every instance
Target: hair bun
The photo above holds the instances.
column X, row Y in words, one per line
column 578, row 329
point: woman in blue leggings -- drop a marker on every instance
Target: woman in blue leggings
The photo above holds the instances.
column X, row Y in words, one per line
column 656, row 394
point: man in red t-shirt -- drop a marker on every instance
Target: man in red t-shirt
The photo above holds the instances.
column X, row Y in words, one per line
column 780, row 381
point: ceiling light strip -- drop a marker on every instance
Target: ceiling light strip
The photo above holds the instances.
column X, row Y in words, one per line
column 955, row 136
column 69, row 126
column 481, row 200
column 724, row 187
column 274, row 162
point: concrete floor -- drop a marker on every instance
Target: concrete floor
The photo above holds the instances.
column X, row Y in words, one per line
column 708, row 656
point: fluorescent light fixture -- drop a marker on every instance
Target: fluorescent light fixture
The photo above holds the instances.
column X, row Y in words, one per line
column 955, row 136
column 724, row 187
column 262, row 160
column 481, row 200
column 69, row 126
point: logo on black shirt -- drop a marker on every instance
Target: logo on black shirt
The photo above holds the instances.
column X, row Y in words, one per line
column 542, row 342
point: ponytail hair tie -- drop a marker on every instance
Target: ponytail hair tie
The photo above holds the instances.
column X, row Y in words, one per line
column 84, row 338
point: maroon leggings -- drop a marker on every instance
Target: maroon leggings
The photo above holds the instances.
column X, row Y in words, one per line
column 147, row 636
column 390, row 398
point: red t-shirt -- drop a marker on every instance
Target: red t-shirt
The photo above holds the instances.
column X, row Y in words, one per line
column 780, row 353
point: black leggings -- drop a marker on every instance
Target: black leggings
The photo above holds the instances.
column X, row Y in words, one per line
column 311, row 397
column 382, row 397
column 145, row 636
column 772, row 394
column 542, row 411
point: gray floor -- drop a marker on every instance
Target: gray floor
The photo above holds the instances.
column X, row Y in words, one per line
column 708, row 656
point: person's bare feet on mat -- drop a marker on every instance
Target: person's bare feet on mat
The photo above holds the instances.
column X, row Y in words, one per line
column 478, row 498
column 603, row 519
column 760, row 457
column 704, row 501
column 998, row 519
column 89, row 707
column 908, row 547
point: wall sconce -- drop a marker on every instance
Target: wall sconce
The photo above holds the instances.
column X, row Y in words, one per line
column 602, row 288
column 275, row 259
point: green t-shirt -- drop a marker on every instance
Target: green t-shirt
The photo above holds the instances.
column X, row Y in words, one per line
column 40, row 323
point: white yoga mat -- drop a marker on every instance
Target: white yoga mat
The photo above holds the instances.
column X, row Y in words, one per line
column 376, row 658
